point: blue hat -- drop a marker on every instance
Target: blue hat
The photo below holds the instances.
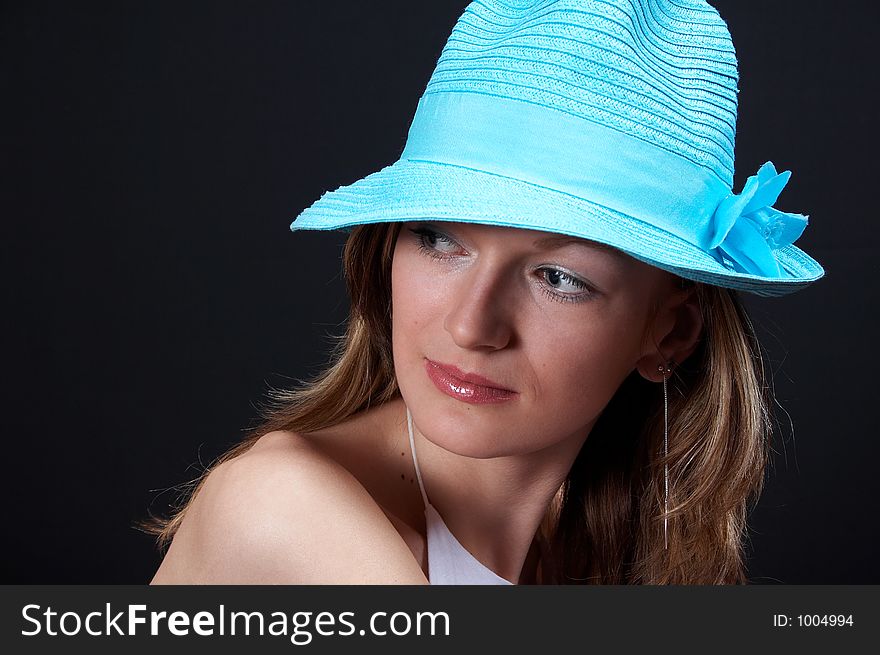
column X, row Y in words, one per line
column 610, row 120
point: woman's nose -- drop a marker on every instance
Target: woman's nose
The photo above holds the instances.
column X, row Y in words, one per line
column 481, row 312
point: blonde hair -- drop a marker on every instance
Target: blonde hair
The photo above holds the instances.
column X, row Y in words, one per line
column 605, row 525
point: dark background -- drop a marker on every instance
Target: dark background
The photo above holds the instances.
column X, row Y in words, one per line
column 153, row 155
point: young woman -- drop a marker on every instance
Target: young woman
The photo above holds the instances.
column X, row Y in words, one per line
column 547, row 376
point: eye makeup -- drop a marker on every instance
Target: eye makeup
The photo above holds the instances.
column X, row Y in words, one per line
column 437, row 245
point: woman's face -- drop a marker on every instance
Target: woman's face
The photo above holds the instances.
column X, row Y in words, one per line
column 556, row 321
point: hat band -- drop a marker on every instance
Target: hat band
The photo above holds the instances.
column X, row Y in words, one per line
column 566, row 153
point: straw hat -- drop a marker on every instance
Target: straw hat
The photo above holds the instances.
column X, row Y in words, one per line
column 610, row 120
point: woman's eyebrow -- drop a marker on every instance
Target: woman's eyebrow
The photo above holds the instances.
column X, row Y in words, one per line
column 563, row 240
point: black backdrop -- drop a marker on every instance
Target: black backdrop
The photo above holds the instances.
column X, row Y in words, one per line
column 153, row 155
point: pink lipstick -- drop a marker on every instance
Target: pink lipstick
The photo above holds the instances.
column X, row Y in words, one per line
column 469, row 388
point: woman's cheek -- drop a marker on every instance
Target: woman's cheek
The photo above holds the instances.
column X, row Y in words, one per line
column 585, row 375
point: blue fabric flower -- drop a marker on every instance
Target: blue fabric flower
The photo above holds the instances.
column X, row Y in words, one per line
column 747, row 229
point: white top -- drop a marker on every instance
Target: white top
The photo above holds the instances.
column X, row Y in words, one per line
column 449, row 563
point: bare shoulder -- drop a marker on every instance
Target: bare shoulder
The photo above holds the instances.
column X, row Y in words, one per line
column 286, row 513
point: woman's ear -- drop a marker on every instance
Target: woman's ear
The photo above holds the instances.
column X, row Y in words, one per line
column 674, row 335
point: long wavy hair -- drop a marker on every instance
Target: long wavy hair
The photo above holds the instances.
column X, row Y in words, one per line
column 605, row 524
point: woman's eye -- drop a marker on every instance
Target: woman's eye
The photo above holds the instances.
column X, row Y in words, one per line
column 563, row 281
column 564, row 287
column 433, row 243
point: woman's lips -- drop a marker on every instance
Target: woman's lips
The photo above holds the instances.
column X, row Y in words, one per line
column 446, row 380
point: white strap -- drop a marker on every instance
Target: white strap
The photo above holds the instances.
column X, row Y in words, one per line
column 412, row 446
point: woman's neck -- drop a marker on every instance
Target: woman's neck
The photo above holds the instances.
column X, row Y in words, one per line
column 494, row 506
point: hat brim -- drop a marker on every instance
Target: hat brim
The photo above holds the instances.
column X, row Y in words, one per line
column 421, row 190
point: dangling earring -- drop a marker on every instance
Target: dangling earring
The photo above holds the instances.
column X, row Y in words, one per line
column 665, row 370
